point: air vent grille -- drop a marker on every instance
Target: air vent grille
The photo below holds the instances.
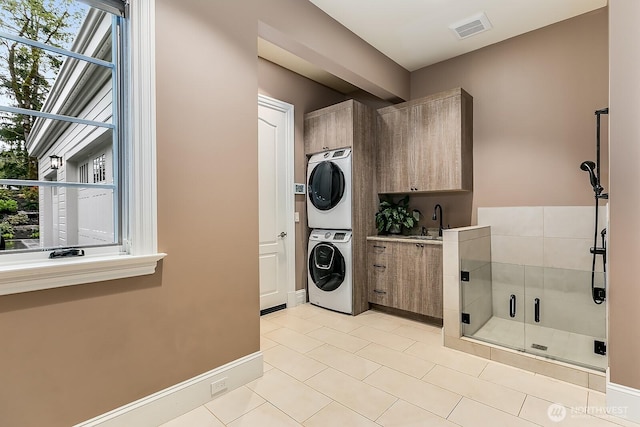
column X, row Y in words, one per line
column 473, row 25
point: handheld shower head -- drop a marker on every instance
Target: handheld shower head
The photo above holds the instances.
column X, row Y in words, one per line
column 589, row 166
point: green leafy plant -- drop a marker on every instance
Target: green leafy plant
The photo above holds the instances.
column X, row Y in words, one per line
column 6, row 230
column 8, row 205
column 35, row 234
column 393, row 216
column 18, row 219
column 30, row 196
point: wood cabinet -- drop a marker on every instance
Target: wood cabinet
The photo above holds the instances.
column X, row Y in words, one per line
column 406, row 275
column 329, row 128
column 426, row 145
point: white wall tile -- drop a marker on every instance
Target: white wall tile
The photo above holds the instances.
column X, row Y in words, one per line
column 569, row 221
column 517, row 250
column 450, row 258
column 451, row 292
column 468, row 233
column 475, row 250
column 570, row 253
column 513, row 221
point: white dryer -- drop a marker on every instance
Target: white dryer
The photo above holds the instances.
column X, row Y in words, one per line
column 329, row 190
column 330, row 270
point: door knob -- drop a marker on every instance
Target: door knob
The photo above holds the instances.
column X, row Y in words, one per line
column 283, row 234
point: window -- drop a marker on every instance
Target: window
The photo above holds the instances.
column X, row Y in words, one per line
column 83, row 173
column 97, row 88
column 99, row 169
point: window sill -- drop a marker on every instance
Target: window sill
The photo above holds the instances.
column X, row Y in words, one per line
column 26, row 277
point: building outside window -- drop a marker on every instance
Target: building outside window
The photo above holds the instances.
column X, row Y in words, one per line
column 70, row 140
column 76, row 117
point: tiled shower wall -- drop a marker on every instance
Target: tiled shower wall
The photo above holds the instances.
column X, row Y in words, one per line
column 543, row 252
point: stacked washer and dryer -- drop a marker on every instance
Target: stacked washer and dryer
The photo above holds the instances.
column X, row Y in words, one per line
column 329, row 207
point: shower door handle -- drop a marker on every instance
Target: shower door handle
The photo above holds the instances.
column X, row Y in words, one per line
column 536, row 310
column 512, row 306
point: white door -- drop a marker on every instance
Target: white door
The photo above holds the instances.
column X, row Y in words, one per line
column 275, row 174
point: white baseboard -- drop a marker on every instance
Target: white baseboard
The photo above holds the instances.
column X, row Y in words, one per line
column 296, row 298
column 623, row 401
column 181, row 398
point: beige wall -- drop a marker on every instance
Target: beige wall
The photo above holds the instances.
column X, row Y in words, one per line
column 306, row 96
column 534, row 102
column 69, row 354
column 624, row 292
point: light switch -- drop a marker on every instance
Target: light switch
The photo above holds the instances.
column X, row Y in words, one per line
column 296, row 216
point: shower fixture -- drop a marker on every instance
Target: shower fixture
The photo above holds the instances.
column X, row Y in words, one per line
column 593, row 168
column 589, row 167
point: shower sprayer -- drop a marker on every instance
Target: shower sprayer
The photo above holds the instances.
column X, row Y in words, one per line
column 590, row 167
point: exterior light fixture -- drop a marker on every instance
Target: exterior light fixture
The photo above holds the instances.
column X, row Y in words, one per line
column 56, row 162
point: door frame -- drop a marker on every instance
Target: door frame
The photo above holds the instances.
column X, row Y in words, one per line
column 290, row 238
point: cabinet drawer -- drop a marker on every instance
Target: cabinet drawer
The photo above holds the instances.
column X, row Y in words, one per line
column 379, row 250
column 379, row 292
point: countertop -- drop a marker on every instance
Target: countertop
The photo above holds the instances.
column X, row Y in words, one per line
column 405, row 239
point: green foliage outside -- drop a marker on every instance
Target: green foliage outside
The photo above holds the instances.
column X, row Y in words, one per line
column 8, row 205
column 27, row 73
column 18, row 219
column 26, row 77
column 6, row 230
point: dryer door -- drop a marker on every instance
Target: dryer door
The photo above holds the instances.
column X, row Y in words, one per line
column 326, row 186
column 326, row 267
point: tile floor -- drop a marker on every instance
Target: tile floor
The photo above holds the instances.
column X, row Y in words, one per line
column 324, row 369
column 561, row 345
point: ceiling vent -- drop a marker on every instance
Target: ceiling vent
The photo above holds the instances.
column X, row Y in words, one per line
column 471, row 26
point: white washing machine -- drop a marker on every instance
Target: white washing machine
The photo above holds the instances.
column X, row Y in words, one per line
column 330, row 270
column 329, row 190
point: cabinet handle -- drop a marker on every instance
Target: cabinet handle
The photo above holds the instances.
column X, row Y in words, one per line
column 379, row 266
column 378, row 291
column 419, row 245
column 379, row 247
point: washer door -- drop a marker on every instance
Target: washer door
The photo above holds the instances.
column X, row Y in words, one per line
column 326, row 186
column 326, row 267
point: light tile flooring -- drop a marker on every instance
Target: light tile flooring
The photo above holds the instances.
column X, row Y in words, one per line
column 561, row 345
column 326, row 369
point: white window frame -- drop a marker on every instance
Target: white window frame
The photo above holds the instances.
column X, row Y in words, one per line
column 22, row 273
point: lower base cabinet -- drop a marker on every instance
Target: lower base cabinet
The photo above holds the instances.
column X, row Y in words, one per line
column 406, row 275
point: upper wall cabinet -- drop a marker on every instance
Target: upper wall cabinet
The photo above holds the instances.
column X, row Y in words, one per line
column 329, row 128
column 426, row 145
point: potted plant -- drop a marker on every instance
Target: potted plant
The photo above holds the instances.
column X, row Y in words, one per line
column 392, row 216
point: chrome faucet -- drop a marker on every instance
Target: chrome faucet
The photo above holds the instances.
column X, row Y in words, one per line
column 435, row 216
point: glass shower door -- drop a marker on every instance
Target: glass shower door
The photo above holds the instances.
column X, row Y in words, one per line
column 562, row 321
column 494, row 300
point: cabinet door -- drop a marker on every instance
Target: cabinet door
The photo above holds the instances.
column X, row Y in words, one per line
column 419, row 288
column 392, row 151
column 328, row 129
column 435, row 156
column 431, row 304
column 410, row 287
column 381, row 273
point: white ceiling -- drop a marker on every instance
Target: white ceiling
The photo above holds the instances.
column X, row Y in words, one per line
column 415, row 33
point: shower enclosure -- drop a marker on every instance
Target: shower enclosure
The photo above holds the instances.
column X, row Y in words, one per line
column 541, row 289
column 540, row 310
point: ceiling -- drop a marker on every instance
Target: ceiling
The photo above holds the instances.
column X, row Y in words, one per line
column 416, row 33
